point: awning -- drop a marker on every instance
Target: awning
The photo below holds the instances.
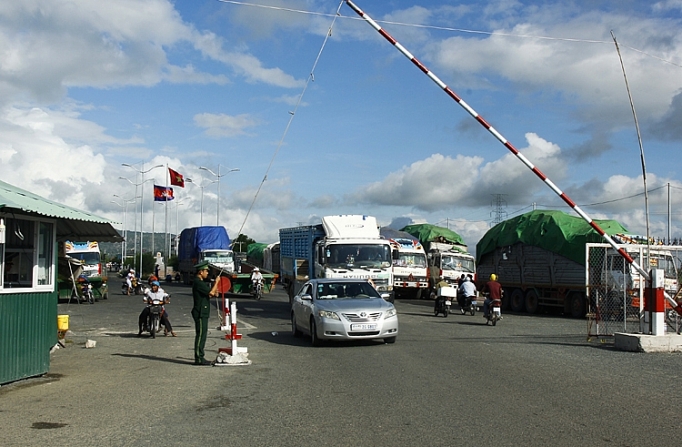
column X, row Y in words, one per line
column 72, row 224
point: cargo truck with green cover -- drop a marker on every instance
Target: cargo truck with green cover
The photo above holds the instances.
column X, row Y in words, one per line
column 540, row 260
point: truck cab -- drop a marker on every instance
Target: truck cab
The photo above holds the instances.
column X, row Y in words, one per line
column 89, row 255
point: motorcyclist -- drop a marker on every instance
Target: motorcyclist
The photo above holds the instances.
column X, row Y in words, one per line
column 466, row 293
column 256, row 276
column 439, row 299
column 156, row 292
column 492, row 291
column 129, row 279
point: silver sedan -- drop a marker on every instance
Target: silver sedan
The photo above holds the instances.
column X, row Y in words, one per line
column 342, row 309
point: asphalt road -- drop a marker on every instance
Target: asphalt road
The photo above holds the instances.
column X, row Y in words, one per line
column 531, row 381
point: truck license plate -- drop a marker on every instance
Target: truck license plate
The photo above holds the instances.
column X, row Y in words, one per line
column 363, row 327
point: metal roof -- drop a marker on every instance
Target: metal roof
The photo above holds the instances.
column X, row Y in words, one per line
column 71, row 223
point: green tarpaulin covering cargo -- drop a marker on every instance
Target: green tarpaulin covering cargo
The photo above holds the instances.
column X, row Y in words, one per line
column 551, row 230
column 427, row 233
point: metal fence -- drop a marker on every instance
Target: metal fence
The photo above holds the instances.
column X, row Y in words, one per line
column 615, row 290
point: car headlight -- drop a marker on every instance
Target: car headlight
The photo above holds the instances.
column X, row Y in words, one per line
column 327, row 314
column 390, row 313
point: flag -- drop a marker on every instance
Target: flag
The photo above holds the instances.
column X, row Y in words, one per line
column 176, row 179
column 162, row 194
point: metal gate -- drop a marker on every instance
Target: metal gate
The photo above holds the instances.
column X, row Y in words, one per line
column 615, row 290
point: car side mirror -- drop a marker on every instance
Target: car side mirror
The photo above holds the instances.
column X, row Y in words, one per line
column 386, row 296
column 306, row 297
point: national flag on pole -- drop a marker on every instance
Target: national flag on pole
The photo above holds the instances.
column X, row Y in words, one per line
column 162, row 193
column 176, row 179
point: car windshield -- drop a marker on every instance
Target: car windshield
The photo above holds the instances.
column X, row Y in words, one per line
column 346, row 290
column 358, row 255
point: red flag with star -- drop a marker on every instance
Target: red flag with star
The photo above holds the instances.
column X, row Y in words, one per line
column 176, row 179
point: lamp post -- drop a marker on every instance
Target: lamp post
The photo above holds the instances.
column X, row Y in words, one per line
column 142, row 172
column 125, row 214
column 177, row 229
column 201, row 219
column 218, row 175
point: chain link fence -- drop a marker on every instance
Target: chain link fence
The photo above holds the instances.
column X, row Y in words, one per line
column 615, row 290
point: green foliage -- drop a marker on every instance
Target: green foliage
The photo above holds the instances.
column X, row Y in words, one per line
column 174, row 262
column 241, row 243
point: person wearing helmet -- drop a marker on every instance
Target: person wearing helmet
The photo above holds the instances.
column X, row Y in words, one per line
column 256, row 276
column 155, row 292
column 129, row 280
column 466, row 293
column 492, row 291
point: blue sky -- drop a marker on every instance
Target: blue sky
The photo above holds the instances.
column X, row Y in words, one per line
column 86, row 86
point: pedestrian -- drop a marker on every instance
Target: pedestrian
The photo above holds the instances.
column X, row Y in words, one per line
column 202, row 292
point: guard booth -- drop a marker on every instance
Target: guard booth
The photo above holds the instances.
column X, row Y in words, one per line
column 31, row 230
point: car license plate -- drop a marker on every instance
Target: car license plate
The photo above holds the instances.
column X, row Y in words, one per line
column 363, row 327
column 448, row 303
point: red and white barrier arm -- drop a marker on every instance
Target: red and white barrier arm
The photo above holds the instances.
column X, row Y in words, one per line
column 507, row 144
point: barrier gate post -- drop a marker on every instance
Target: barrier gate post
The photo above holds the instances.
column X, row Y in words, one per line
column 654, row 303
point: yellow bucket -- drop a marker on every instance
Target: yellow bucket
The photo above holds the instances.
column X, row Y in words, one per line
column 62, row 322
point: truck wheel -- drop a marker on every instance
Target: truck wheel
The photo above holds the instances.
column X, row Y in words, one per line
column 532, row 301
column 506, row 299
column 576, row 302
column 517, row 301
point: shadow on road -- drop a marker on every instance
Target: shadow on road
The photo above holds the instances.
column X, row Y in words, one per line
column 158, row 359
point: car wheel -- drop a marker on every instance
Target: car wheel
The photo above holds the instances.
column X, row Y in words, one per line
column 389, row 340
column 313, row 334
column 294, row 329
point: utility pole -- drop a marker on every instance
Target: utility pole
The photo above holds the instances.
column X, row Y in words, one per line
column 498, row 214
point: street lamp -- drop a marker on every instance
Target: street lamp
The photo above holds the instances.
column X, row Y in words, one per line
column 219, row 175
column 201, row 219
column 142, row 173
column 125, row 214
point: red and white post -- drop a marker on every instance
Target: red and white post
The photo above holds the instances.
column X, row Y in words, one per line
column 654, row 303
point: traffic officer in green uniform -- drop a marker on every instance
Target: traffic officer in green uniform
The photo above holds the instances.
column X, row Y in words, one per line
column 202, row 293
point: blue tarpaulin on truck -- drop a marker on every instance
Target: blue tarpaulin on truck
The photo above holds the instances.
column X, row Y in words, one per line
column 194, row 240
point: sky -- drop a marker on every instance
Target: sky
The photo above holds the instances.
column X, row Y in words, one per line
column 305, row 112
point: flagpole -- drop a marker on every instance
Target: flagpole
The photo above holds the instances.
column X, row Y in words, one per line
column 166, row 254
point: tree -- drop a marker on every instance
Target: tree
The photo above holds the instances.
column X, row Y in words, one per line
column 242, row 243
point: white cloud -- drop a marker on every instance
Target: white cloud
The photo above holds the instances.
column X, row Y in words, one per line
column 221, row 125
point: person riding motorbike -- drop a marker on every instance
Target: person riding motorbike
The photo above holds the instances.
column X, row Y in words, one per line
column 156, row 292
column 129, row 280
column 440, row 300
column 492, row 291
column 256, row 276
column 466, row 293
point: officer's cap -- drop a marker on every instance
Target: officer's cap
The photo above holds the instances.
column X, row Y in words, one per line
column 201, row 266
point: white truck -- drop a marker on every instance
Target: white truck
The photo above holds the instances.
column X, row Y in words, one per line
column 343, row 246
column 410, row 267
column 452, row 260
column 89, row 255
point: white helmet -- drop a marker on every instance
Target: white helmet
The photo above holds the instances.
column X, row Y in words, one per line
column 256, row 269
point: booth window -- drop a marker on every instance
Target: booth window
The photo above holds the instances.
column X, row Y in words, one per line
column 45, row 254
column 27, row 256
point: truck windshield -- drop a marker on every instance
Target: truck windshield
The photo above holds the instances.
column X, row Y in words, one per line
column 358, row 255
column 459, row 264
column 416, row 260
column 218, row 257
column 88, row 258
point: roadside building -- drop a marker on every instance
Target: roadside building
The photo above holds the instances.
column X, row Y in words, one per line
column 32, row 233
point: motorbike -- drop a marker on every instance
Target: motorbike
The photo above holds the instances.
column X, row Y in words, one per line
column 86, row 290
column 443, row 303
column 470, row 304
column 156, row 310
column 136, row 287
column 494, row 312
column 258, row 289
